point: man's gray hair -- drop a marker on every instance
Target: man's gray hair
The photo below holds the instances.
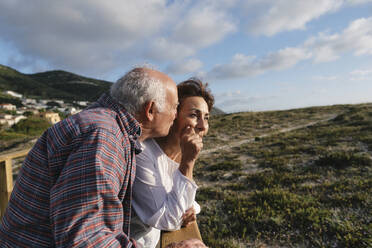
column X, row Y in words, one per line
column 136, row 88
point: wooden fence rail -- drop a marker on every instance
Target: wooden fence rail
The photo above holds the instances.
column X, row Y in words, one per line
column 6, row 177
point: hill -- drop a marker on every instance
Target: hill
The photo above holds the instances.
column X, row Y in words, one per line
column 294, row 178
column 52, row 84
column 217, row 111
column 57, row 84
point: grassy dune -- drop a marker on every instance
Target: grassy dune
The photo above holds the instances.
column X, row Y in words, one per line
column 296, row 178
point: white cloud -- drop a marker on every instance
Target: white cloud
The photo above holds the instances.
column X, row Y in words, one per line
column 325, row 78
column 356, row 38
column 203, row 26
column 196, row 26
column 97, row 37
column 358, row 75
column 80, row 35
column 243, row 66
column 361, row 72
column 235, row 101
column 269, row 17
column 163, row 49
column 284, row 58
column 184, row 67
column 100, row 36
column 321, row 47
column 358, row 1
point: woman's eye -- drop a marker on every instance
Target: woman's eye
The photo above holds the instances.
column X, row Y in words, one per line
column 193, row 115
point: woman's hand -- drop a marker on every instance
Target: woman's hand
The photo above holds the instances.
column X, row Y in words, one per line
column 188, row 217
column 191, row 145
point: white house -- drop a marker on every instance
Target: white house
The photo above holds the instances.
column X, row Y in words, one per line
column 72, row 110
column 18, row 118
column 4, row 121
column 8, row 106
column 82, row 103
column 14, row 94
column 28, row 101
column 44, row 102
column 60, row 102
column 53, row 118
column 10, row 119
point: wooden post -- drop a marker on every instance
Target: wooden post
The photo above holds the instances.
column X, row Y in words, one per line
column 191, row 231
column 6, row 177
column 6, row 183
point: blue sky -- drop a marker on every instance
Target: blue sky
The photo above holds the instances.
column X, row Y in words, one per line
column 256, row 54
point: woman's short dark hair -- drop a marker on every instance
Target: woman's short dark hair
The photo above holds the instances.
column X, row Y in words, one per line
column 195, row 87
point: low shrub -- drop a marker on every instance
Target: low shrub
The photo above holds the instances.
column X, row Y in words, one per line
column 342, row 160
column 31, row 126
column 226, row 165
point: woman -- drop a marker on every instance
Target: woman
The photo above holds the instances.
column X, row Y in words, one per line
column 164, row 189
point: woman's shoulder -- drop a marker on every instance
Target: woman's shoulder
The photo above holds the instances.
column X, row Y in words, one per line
column 150, row 163
column 150, row 146
column 151, row 152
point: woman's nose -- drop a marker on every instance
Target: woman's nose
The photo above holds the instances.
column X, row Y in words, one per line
column 201, row 125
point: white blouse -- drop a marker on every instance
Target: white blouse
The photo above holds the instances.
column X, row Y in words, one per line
column 161, row 195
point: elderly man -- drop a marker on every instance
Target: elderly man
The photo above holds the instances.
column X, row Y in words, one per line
column 75, row 185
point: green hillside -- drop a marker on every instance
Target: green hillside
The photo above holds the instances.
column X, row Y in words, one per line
column 295, row 178
column 52, row 84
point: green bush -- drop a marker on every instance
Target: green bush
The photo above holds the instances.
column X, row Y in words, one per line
column 275, row 163
column 209, row 193
column 9, row 135
column 226, row 165
column 31, row 126
column 342, row 160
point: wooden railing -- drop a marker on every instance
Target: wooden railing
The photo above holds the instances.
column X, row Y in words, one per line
column 6, row 176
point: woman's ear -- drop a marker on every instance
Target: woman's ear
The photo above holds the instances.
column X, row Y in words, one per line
column 150, row 110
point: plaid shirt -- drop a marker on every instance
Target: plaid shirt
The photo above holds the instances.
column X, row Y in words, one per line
column 75, row 185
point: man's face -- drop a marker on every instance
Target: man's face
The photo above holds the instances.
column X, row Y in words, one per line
column 164, row 119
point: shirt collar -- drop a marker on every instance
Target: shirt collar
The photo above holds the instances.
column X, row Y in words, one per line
column 131, row 125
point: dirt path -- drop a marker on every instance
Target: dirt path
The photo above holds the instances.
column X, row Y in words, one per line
column 283, row 130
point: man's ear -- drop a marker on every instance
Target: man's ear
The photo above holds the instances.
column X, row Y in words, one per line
column 150, row 110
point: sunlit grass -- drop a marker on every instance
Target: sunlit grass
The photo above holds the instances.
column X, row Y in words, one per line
column 310, row 187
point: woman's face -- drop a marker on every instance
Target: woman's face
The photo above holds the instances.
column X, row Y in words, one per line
column 193, row 112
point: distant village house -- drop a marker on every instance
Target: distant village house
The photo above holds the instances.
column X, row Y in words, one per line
column 8, row 106
column 27, row 101
column 9, row 120
column 52, row 117
column 14, row 94
column 72, row 111
column 82, row 103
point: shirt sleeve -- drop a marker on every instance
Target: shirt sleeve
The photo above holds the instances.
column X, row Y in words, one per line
column 153, row 205
column 85, row 209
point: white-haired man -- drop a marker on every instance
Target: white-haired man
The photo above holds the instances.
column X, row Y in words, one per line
column 75, row 185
